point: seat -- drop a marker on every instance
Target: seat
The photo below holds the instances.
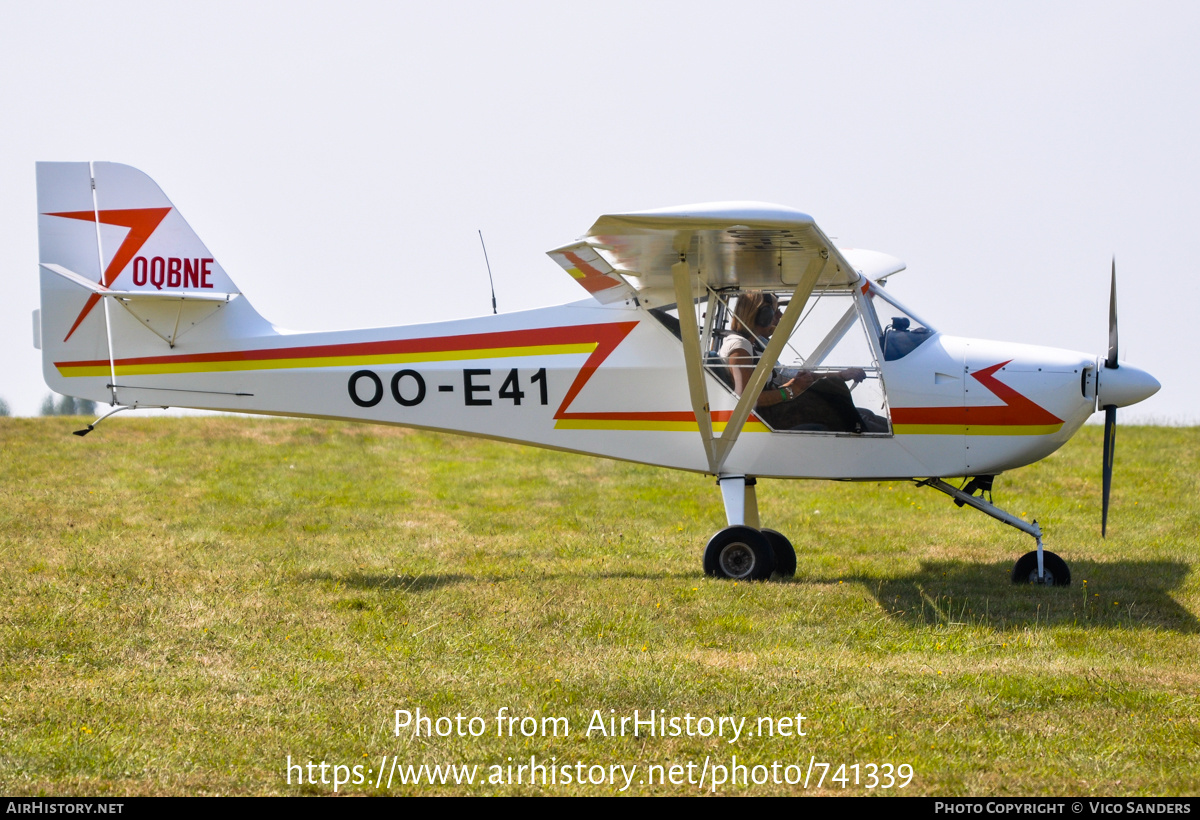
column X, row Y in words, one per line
column 715, row 363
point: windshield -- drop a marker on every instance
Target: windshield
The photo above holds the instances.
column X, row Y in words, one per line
column 900, row 331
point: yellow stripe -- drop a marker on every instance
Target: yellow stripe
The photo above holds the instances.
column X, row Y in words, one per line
column 650, row 424
column 166, row 368
column 978, row 430
column 73, row 372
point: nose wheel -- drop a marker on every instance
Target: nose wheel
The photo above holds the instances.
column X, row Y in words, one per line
column 1040, row 566
column 1055, row 572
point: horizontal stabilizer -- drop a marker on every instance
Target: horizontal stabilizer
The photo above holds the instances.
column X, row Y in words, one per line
column 141, row 295
column 166, row 313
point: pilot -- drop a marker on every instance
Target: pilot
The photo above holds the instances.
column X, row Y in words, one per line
column 809, row 400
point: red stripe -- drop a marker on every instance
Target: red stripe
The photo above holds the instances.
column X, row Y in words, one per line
column 606, row 337
column 717, row 415
column 607, row 344
column 579, row 334
column 1017, row 410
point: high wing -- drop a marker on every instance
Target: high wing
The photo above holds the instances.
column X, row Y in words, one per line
column 874, row 265
column 593, row 272
column 673, row 255
column 746, row 245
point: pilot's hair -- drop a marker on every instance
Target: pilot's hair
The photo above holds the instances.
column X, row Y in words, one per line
column 749, row 311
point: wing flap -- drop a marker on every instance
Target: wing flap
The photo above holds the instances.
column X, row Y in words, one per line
column 592, row 271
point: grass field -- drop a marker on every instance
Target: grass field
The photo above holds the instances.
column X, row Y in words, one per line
column 189, row 602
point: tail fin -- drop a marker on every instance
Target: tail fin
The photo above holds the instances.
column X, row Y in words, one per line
column 123, row 276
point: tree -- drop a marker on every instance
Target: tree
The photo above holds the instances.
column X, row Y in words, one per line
column 67, row 406
column 5, row 410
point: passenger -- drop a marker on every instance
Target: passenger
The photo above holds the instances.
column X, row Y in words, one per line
column 808, row 401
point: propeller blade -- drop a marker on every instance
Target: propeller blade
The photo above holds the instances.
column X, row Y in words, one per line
column 1110, row 446
column 1111, row 361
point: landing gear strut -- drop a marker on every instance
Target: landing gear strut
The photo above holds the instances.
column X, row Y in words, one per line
column 1037, row 567
column 742, row 551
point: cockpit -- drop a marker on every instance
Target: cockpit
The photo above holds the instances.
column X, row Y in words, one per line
column 843, row 333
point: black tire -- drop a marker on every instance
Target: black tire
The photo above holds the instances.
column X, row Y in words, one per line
column 1058, row 574
column 784, row 552
column 741, row 553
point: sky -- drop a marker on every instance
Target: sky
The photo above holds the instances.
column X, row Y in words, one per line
column 339, row 158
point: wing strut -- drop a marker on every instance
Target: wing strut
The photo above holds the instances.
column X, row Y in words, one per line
column 692, row 357
column 766, row 363
column 717, row 450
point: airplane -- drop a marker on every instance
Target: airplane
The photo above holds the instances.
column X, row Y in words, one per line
column 655, row 365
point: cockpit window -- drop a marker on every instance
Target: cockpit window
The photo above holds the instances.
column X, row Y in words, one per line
column 827, row 376
column 900, row 331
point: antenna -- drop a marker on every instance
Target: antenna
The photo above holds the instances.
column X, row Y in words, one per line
column 489, row 267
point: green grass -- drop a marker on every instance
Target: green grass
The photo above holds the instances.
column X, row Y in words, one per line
column 191, row 601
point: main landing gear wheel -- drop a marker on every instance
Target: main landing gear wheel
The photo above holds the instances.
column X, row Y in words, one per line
column 741, row 553
column 785, row 554
column 1058, row 574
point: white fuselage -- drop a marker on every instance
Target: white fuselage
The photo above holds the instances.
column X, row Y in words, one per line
column 604, row 380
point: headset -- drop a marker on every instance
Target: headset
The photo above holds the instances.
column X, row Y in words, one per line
column 767, row 312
